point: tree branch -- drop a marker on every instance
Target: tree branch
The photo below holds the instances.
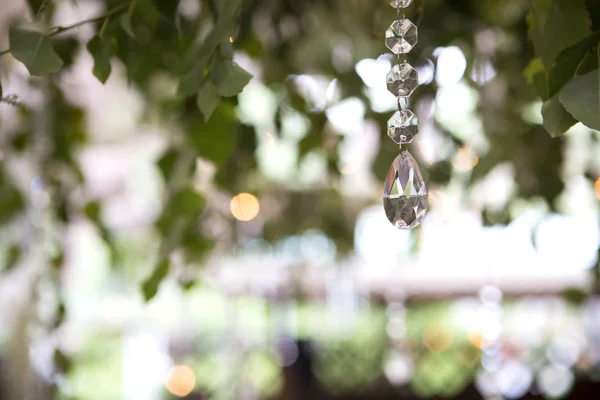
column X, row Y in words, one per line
column 60, row 29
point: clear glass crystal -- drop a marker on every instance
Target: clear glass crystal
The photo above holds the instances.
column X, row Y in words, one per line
column 403, row 127
column 405, row 198
column 402, row 80
column 401, row 36
column 400, row 3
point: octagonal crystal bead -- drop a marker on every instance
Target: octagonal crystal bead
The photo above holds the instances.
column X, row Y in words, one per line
column 402, row 80
column 400, row 3
column 403, row 127
column 401, row 36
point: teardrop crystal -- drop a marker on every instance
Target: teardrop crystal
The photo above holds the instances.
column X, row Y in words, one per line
column 405, row 195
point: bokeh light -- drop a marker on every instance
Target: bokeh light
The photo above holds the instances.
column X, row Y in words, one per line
column 244, row 207
column 181, row 380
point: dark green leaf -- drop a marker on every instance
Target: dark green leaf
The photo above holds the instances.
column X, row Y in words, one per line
column 34, row 50
column 187, row 202
column 11, row 202
column 66, row 48
column 35, row 5
column 150, row 285
column 229, row 78
column 569, row 62
column 167, row 8
column 217, row 138
column 182, row 209
column 557, row 27
column 208, row 99
column 167, row 163
column 57, row 260
column 99, row 50
column 536, row 76
column 62, row 362
column 190, row 83
column 126, row 24
column 581, row 98
column 196, row 247
column 92, row 211
column 556, row 119
column 13, row 257
column 574, row 296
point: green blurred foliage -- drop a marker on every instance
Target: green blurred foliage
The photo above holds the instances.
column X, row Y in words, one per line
column 553, row 44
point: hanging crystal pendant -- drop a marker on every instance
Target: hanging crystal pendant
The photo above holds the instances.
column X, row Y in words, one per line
column 400, row 3
column 405, row 198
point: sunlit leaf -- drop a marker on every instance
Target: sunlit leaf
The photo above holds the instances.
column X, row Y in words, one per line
column 99, row 50
column 34, row 50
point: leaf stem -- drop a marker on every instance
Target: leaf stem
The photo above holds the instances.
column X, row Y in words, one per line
column 60, row 29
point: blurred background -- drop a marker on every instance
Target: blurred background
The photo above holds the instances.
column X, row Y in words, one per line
column 163, row 237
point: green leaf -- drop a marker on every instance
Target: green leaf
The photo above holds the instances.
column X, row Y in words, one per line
column 229, row 78
column 66, row 48
column 99, row 49
column 569, row 62
column 208, row 99
column 556, row 119
column 167, row 163
column 187, row 202
column 581, row 98
column 34, row 50
column 92, row 211
column 150, row 285
column 190, row 83
column 536, row 76
column 62, row 362
column 35, row 5
column 126, row 24
column 217, row 138
column 196, row 247
column 167, row 8
column 558, row 27
column 181, row 210
column 13, row 256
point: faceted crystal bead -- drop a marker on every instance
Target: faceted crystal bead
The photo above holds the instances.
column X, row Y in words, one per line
column 403, row 127
column 401, row 36
column 405, row 195
column 402, row 80
column 400, row 3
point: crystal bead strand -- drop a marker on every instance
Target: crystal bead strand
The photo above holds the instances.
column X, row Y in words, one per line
column 405, row 198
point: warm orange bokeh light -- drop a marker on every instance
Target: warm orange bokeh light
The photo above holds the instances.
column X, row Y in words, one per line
column 476, row 338
column 181, row 380
column 465, row 160
column 597, row 188
column 244, row 207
